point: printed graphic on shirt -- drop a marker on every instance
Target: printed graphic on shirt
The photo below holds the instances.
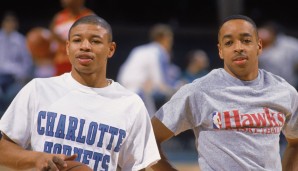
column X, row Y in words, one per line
column 263, row 122
column 105, row 138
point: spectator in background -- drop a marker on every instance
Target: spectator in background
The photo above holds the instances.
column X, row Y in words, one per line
column 72, row 10
column 197, row 66
column 280, row 52
column 148, row 69
column 39, row 42
column 280, row 56
column 16, row 62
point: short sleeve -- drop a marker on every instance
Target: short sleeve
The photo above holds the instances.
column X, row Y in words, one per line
column 290, row 130
column 16, row 121
column 139, row 149
column 178, row 113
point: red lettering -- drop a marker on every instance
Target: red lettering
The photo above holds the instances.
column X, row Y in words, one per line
column 247, row 121
column 270, row 118
column 259, row 119
column 281, row 118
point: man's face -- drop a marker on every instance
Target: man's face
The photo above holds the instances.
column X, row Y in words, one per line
column 89, row 48
column 239, row 47
column 9, row 24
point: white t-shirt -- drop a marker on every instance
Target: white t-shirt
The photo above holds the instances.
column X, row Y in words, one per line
column 142, row 65
column 106, row 126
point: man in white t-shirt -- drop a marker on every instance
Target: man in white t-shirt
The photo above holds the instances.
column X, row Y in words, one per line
column 80, row 115
column 148, row 69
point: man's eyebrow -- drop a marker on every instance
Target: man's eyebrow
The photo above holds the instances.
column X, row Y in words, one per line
column 245, row 34
column 242, row 35
column 95, row 35
column 226, row 36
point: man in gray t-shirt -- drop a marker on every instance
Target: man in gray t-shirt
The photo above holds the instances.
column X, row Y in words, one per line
column 237, row 113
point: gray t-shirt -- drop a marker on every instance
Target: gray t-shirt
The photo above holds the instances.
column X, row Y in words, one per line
column 236, row 123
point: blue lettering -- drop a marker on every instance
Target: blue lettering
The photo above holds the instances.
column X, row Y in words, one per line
column 48, row 147
column 103, row 128
column 67, row 150
column 75, row 130
column 41, row 115
column 80, row 138
column 78, row 151
column 105, row 162
column 51, row 116
column 72, row 126
column 122, row 135
column 113, row 131
column 91, row 133
column 84, row 155
column 97, row 157
column 57, row 149
column 87, row 155
column 61, row 127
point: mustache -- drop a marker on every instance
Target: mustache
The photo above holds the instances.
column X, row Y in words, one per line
column 240, row 55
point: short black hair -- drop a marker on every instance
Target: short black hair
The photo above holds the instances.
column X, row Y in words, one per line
column 235, row 17
column 96, row 20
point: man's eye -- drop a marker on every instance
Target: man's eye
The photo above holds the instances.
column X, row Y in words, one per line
column 228, row 43
column 247, row 41
column 76, row 40
column 95, row 41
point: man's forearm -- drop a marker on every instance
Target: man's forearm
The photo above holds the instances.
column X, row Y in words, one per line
column 290, row 158
column 16, row 157
column 163, row 164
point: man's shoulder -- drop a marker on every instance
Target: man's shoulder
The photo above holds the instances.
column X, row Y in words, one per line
column 269, row 75
column 123, row 91
column 274, row 79
column 212, row 80
column 51, row 80
column 211, row 76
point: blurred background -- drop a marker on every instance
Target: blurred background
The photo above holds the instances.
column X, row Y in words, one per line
column 194, row 24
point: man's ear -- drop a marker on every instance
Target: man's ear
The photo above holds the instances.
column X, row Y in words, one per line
column 112, row 49
column 67, row 45
column 219, row 51
column 260, row 47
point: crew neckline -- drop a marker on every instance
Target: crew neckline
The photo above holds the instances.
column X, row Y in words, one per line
column 253, row 82
column 83, row 88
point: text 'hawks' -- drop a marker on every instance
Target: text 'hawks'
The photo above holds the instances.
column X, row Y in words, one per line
column 265, row 122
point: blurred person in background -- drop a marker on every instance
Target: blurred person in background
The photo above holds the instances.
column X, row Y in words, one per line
column 60, row 24
column 16, row 62
column 149, row 71
column 39, row 42
column 280, row 52
column 280, row 56
column 197, row 66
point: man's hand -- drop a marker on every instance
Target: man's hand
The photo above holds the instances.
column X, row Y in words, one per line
column 52, row 162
